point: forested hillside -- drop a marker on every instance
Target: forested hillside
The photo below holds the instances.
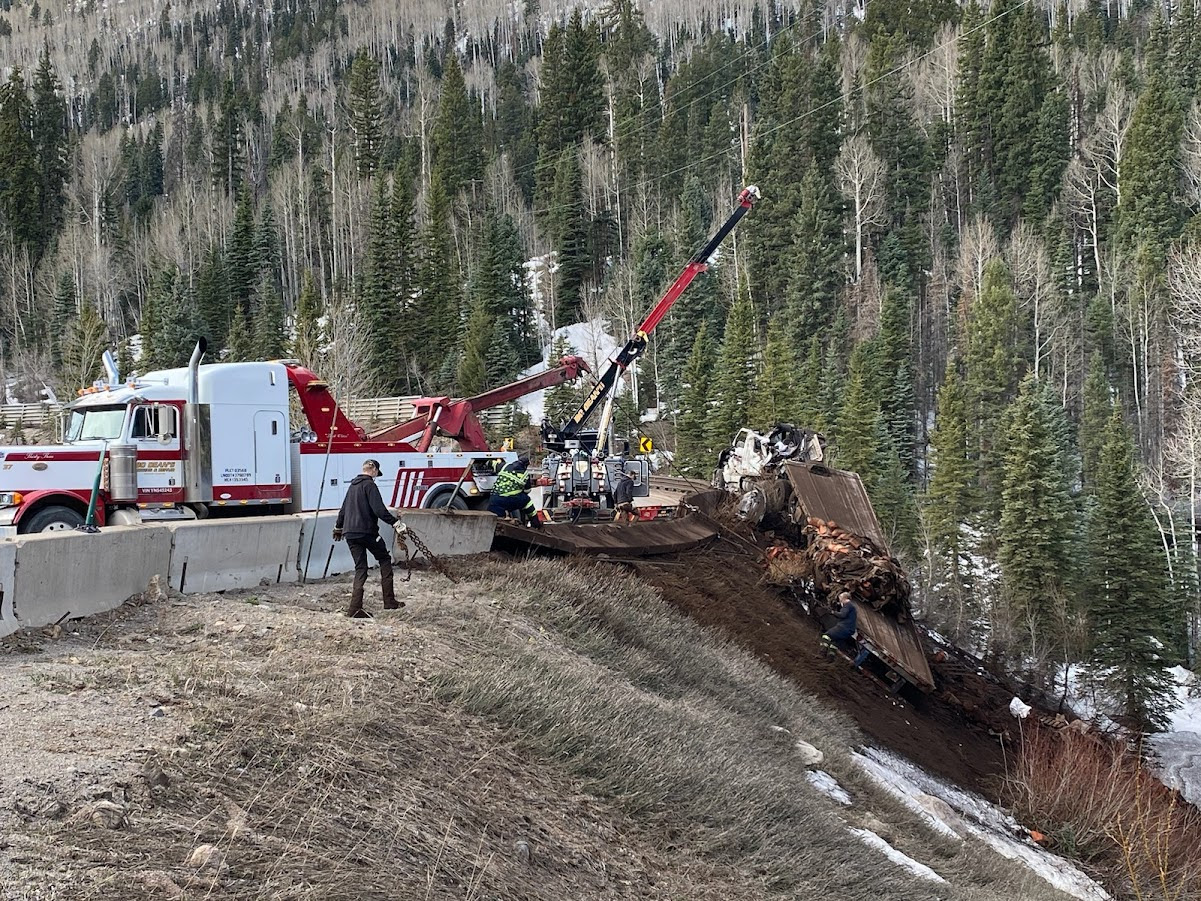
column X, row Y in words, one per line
column 975, row 265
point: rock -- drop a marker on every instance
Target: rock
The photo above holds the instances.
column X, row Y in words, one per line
column 521, row 850
column 154, row 776
column 107, row 815
column 158, row 711
column 52, row 809
column 810, row 756
column 160, row 884
column 207, row 859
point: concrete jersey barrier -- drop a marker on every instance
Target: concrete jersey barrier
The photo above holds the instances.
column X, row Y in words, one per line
column 220, row 554
column 66, row 575
column 54, row 576
column 451, row 533
column 8, row 572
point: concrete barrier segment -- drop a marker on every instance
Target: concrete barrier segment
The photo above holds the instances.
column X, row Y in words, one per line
column 221, row 554
column 68, row 575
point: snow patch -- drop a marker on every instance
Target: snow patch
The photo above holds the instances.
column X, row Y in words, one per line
column 828, row 786
column 1178, row 752
column 591, row 340
column 872, row 840
column 953, row 811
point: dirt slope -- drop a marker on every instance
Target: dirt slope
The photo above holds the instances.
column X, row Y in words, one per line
column 722, row 586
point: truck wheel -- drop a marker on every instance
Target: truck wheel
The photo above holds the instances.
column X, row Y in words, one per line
column 439, row 502
column 53, row 519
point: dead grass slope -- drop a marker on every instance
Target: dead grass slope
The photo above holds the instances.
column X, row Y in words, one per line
column 546, row 732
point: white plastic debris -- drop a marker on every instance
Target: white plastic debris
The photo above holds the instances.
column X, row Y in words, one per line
column 1019, row 709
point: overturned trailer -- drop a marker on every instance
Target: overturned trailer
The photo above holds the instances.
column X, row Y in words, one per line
column 822, row 494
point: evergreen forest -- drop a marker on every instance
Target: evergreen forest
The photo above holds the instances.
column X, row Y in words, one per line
column 975, row 267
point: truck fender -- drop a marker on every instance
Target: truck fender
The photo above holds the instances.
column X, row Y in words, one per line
column 77, row 500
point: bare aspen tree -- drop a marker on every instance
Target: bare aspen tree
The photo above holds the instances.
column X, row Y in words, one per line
column 978, row 246
column 1034, row 285
column 1190, row 155
column 861, row 178
column 1184, row 288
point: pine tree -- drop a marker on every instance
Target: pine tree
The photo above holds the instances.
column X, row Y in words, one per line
column 950, row 500
column 226, row 141
column 569, row 229
column 366, row 112
column 777, row 385
column 1038, row 527
column 859, row 422
column 306, row 336
column 48, row 122
column 21, row 180
column 733, row 380
column 501, row 361
column 269, row 338
column 892, row 363
column 694, row 454
column 439, row 304
column 65, row 313
column 241, row 260
column 563, row 400
column 992, row 366
column 472, row 375
column 213, row 301
column 810, row 408
column 797, row 128
column 378, row 306
column 498, row 281
column 457, row 140
column 700, row 302
column 1150, row 214
column 1126, row 587
column 170, row 333
column 1094, row 419
column 815, row 269
column 84, row 343
column 242, row 346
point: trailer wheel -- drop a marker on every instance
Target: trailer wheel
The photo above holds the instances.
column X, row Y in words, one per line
column 53, row 519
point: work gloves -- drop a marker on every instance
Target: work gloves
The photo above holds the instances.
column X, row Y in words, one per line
column 337, row 534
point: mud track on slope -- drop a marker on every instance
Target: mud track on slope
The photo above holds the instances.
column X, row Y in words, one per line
column 951, row 732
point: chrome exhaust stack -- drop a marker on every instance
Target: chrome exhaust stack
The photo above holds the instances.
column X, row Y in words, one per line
column 197, row 442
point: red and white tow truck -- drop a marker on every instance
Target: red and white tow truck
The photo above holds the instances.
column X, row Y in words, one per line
column 220, row 440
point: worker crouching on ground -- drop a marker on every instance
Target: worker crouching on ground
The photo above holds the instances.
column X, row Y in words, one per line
column 623, row 498
column 358, row 523
column 843, row 631
column 509, row 493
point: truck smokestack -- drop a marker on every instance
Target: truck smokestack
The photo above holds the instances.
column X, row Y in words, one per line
column 197, row 455
column 110, row 368
column 194, row 371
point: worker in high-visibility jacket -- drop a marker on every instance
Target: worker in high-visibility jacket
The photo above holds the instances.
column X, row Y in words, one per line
column 509, row 493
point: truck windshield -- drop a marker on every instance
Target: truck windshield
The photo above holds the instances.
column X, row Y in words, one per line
column 96, row 423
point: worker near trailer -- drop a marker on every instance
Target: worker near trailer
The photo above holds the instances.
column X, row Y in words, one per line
column 623, row 497
column 509, row 493
column 358, row 522
column 843, row 631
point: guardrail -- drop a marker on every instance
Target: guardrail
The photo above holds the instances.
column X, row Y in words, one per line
column 675, row 485
column 13, row 415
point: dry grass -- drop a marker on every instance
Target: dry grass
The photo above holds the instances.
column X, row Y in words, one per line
column 576, row 740
column 1096, row 801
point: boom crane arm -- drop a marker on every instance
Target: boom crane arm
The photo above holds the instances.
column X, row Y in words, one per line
column 637, row 343
column 456, row 418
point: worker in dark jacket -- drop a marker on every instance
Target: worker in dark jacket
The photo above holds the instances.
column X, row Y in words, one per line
column 623, row 497
column 358, row 523
column 844, row 629
column 509, row 493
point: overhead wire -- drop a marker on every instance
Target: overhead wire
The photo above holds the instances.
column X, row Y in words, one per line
column 858, row 89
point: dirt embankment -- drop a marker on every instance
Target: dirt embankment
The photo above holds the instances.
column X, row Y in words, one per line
column 722, row 586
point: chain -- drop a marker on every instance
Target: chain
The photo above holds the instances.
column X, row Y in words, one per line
column 406, row 534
